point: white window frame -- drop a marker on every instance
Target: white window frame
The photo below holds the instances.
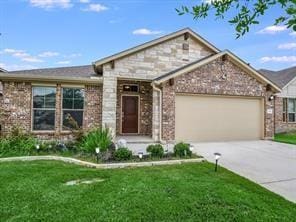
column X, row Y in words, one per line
column 62, row 109
column 48, row 109
column 288, row 112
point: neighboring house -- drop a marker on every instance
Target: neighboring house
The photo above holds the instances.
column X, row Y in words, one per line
column 2, row 70
column 285, row 101
column 177, row 87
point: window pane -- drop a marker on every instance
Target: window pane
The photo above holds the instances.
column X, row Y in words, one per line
column 49, row 102
column 38, row 91
column 291, row 106
column 284, row 105
column 72, row 119
column 78, row 104
column 43, row 120
column 68, row 93
column 44, row 97
column 67, row 103
column 78, row 93
column 50, row 92
column 284, row 117
column 291, row 117
column 38, row 102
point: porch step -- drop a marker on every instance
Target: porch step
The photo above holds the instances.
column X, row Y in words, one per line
column 136, row 139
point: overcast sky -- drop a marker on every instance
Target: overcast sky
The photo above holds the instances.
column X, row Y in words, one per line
column 52, row 33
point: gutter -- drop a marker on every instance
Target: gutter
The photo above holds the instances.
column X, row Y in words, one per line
column 160, row 112
column 30, row 78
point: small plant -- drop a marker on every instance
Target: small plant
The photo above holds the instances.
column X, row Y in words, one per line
column 156, row 150
column 17, row 143
column 182, row 149
column 122, row 154
column 97, row 138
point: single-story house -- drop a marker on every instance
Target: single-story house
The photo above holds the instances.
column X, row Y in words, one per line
column 177, row 87
column 285, row 101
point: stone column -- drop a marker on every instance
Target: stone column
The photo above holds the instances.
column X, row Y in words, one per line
column 109, row 102
column 155, row 115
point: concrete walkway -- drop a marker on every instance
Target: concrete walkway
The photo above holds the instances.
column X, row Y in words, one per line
column 270, row 164
column 101, row 165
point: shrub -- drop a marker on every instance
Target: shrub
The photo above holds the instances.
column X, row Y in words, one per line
column 156, row 150
column 21, row 144
column 180, row 149
column 99, row 137
column 122, row 154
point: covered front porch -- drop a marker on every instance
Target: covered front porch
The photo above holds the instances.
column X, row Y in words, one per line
column 134, row 111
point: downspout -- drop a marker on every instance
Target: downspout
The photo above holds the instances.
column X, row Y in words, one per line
column 160, row 111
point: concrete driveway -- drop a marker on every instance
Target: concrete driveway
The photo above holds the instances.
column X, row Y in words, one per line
column 270, row 164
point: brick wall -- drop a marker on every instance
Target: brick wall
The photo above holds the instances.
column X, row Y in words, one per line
column 15, row 109
column 15, row 106
column 93, row 107
column 145, row 94
column 208, row 80
column 281, row 126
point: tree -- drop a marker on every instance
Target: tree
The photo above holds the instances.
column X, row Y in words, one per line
column 248, row 12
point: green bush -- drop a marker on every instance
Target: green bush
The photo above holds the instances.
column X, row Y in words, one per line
column 182, row 149
column 97, row 138
column 17, row 145
column 156, row 150
column 122, row 154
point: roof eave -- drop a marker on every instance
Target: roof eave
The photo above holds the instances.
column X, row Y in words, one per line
column 31, row 78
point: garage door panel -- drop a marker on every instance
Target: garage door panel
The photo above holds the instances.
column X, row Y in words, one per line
column 214, row 118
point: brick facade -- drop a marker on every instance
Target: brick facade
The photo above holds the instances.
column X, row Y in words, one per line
column 16, row 109
column 208, row 80
column 280, row 125
column 145, row 100
column 15, row 106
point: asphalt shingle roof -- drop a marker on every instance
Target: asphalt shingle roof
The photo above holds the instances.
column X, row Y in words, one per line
column 282, row 77
column 72, row 71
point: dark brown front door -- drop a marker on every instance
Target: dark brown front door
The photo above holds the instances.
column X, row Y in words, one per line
column 130, row 114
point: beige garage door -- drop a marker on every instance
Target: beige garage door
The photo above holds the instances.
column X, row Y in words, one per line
column 217, row 118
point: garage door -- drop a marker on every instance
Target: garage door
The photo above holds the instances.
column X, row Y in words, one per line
column 217, row 118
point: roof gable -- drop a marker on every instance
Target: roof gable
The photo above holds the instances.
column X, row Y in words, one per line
column 156, row 42
column 282, row 78
column 206, row 60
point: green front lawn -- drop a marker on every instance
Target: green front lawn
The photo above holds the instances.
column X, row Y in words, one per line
column 35, row 191
column 285, row 138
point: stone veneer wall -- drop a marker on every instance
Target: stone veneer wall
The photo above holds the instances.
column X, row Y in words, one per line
column 16, row 104
column 146, row 65
column 281, row 126
column 207, row 80
column 145, row 94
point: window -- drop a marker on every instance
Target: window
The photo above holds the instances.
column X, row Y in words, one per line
column 130, row 88
column 73, row 103
column 44, row 100
column 284, row 109
column 291, row 110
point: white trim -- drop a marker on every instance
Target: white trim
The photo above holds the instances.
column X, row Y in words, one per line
column 72, row 86
column 139, row 119
column 43, row 84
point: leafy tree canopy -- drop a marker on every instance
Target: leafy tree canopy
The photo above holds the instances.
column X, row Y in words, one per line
column 248, row 12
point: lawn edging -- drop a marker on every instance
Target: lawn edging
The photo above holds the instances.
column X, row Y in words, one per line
column 101, row 165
